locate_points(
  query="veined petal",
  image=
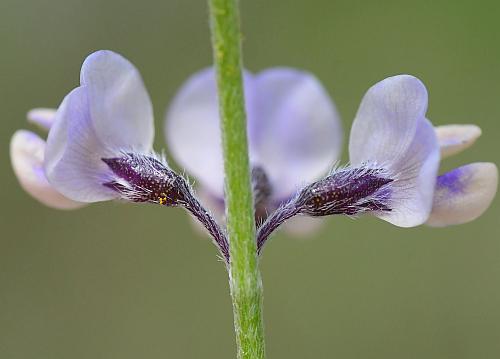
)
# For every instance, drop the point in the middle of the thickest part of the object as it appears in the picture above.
(416, 172)
(119, 106)
(73, 156)
(26, 154)
(295, 132)
(454, 139)
(390, 131)
(387, 120)
(192, 129)
(108, 114)
(464, 194)
(43, 117)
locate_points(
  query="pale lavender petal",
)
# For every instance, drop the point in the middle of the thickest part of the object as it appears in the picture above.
(454, 139)
(119, 105)
(110, 112)
(416, 171)
(74, 152)
(464, 194)
(26, 154)
(387, 120)
(192, 129)
(294, 129)
(43, 117)
(295, 132)
(391, 131)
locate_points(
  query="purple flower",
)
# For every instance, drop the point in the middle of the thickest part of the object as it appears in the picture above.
(391, 133)
(294, 134)
(392, 136)
(394, 159)
(381, 134)
(100, 147)
(109, 114)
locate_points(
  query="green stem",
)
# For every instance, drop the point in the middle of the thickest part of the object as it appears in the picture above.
(244, 276)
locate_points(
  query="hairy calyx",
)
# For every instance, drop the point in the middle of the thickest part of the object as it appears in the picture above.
(140, 178)
(348, 191)
(146, 178)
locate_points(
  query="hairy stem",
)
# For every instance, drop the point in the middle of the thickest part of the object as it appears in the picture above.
(244, 276)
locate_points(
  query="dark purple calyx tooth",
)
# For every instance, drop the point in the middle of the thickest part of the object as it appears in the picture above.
(262, 191)
(141, 178)
(349, 191)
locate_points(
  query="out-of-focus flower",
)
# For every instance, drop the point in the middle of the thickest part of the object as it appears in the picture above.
(294, 134)
(27, 154)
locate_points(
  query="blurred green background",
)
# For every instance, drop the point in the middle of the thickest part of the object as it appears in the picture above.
(125, 281)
